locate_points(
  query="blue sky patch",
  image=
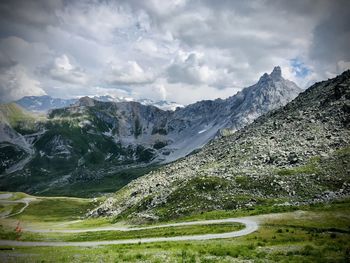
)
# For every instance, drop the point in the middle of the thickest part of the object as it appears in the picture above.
(299, 68)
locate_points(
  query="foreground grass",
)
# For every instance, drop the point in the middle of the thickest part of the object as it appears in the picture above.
(319, 233)
(56, 209)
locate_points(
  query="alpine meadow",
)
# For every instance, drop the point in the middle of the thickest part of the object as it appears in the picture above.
(174, 131)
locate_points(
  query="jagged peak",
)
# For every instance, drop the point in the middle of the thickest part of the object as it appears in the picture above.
(276, 73)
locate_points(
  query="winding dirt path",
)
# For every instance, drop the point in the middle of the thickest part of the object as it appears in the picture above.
(250, 227)
(22, 201)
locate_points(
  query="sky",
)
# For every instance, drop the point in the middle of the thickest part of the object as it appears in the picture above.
(180, 50)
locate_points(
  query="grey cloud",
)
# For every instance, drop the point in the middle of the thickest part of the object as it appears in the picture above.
(6, 61)
(134, 45)
(36, 13)
(16, 83)
(63, 70)
(331, 38)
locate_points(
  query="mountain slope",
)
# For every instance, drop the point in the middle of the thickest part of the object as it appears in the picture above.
(15, 149)
(200, 122)
(299, 153)
(271, 92)
(91, 140)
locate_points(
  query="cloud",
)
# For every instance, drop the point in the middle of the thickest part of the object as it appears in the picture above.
(29, 54)
(63, 70)
(331, 40)
(6, 61)
(16, 83)
(181, 50)
(36, 13)
(343, 65)
(93, 20)
(130, 73)
(192, 69)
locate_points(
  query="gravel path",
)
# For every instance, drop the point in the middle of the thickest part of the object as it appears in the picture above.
(250, 227)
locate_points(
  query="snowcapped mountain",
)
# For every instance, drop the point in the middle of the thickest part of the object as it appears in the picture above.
(46, 103)
(161, 104)
(43, 103)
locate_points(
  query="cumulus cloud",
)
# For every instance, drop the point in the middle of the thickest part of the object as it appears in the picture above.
(128, 74)
(15, 84)
(192, 69)
(182, 50)
(63, 70)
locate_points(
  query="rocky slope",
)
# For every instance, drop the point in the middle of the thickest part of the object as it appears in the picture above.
(91, 138)
(192, 127)
(299, 153)
(15, 149)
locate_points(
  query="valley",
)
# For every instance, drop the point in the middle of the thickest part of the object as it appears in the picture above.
(179, 131)
(107, 144)
(276, 189)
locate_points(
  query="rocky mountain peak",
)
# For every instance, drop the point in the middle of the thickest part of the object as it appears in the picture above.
(267, 158)
(276, 73)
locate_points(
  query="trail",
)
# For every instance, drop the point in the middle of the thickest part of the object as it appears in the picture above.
(22, 201)
(250, 227)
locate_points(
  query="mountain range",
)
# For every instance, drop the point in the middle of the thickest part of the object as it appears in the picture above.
(45, 103)
(297, 154)
(91, 140)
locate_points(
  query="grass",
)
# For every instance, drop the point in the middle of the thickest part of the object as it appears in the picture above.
(274, 242)
(312, 167)
(14, 114)
(109, 183)
(315, 233)
(56, 209)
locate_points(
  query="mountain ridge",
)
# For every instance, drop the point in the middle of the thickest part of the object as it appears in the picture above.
(43, 104)
(91, 138)
(296, 154)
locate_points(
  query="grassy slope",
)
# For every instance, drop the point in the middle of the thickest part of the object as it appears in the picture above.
(319, 233)
(94, 177)
(14, 114)
(107, 184)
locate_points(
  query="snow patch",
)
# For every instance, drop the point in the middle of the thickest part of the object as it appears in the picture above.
(202, 131)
